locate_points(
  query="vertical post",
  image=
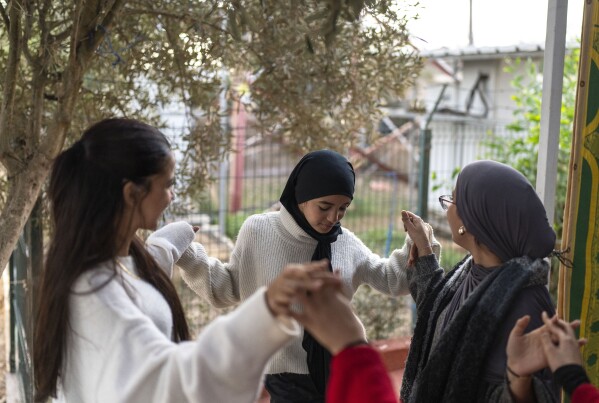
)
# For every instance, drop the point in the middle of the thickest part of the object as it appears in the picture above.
(551, 103)
(12, 340)
(223, 169)
(424, 164)
(394, 196)
(423, 169)
(470, 33)
(239, 123)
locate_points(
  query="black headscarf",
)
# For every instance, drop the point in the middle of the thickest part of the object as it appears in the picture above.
(318, 174)
(502, 210)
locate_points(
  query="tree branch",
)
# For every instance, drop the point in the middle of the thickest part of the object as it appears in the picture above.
(85, 39)
(159, 13)
(10, 82)
(27, 35)
(4, 17)
(163, 13)
(40, 76)
(61, 36)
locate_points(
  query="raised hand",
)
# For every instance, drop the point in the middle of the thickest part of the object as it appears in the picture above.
(420, 232)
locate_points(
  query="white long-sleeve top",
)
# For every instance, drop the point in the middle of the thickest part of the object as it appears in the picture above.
(120, 345)
(265, 245)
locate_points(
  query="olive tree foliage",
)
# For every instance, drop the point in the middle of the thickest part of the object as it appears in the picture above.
(317, 75)
(315, 71)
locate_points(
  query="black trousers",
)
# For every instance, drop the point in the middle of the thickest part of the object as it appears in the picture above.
(292, 388)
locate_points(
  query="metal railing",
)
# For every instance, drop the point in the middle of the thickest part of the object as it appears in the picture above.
(387, 182)
(24, 267)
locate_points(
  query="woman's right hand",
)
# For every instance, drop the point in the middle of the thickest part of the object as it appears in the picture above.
(420, 233)
(560, 345)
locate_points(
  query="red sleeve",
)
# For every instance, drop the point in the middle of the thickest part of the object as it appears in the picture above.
(358, 375)
(585, 393)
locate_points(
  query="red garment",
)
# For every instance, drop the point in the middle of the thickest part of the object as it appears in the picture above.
(585, 393)
(358, 375)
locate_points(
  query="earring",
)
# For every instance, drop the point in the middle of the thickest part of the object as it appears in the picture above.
(462, 230)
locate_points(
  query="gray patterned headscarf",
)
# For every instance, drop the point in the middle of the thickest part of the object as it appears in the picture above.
(499, 206)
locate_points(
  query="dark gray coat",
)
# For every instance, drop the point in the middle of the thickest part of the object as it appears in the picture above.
(451, 370)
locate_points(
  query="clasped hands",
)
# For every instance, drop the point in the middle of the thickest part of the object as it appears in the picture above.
(552, 345)
(421, 234)
(326, 312)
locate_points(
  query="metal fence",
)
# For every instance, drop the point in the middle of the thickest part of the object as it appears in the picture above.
(251, 181)
(387, 177)
(256, 187)
(23, 270)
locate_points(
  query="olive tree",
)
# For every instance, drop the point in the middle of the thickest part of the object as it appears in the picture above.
(315, 71)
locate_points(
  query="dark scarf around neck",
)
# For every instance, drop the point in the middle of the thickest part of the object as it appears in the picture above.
(450, 371)
(318, 174)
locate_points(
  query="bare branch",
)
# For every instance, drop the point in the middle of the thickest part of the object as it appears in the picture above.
(61, 36)
(162, 13)
(40, 76)
(85, 39)
(4, 17)
(110, 17)
(10, 81)
(168, 14)
(27, 35)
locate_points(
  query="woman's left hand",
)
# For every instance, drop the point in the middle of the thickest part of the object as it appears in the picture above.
(525, 354)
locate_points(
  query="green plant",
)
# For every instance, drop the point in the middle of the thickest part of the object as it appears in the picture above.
(234, 222)
(450, 254)
(377, 239)
(379, 313)
(521, 151)
(444, 183)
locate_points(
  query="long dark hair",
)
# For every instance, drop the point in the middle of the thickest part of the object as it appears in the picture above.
(87, 204)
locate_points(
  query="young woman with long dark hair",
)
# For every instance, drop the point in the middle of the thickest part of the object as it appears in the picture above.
(110, 326)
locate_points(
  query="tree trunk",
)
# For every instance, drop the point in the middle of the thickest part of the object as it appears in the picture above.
(28, 167)
(24, 187)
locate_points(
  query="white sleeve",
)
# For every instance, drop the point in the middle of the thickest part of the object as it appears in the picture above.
(387, 275)
(167, 244)
(225, 364)
(214, 280)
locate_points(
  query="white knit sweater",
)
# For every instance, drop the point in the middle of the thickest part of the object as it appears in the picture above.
(265, 245)
(120, 349)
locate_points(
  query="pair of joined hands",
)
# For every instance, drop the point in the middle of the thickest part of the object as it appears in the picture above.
(552, 345)
(326, 312)
(421, 234)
